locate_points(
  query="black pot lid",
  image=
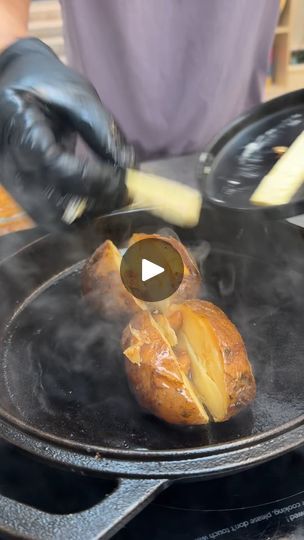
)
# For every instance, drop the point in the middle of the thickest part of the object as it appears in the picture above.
(236, 161)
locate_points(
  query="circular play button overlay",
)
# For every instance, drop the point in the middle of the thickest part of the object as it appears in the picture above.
(152, 270)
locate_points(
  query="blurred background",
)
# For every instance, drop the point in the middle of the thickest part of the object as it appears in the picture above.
(285, 72)
(286, 62)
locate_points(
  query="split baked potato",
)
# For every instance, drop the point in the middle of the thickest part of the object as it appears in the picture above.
(102, 285)
(188, 366)
(105, 292)
(191, 283)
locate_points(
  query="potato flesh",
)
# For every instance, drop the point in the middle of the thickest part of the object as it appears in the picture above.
(206, 388)
(203, 390)
(191, 389)
(206, 381)
(162, 323)
(208, 373)
(192, 366)
(167, 330)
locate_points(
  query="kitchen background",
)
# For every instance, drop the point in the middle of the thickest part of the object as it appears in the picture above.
(260, 504)
(286, 63)
(286, 71)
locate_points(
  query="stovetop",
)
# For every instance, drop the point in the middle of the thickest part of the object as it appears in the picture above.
(266, 502)
(263, 503)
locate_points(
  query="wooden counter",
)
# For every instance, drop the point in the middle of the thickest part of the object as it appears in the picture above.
(12, 217)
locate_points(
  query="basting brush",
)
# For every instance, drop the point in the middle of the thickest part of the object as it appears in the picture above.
(174, 202)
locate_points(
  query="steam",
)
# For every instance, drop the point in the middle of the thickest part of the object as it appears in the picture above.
(62, 366)
(199, 251)
(168, 231)
(227, 281)
(58, 355)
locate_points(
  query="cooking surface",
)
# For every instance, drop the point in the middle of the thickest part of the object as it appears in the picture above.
(61, 366)
(264, 503)
(192, 511)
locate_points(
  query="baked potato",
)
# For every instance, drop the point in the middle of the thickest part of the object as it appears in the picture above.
(188, 366)
(102, 285)
(105, 292)
(191, 283)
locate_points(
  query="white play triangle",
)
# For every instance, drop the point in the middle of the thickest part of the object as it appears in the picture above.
(150, 269)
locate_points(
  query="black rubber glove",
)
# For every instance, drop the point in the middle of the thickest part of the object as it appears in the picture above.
(43, 106)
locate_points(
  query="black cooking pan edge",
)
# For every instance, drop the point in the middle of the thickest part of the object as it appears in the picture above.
(138, 481)
(131, 494)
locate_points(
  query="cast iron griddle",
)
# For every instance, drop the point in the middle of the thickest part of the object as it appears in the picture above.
(62, 368)
(63, 394)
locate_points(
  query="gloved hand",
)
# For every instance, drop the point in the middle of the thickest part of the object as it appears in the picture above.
(43, 106)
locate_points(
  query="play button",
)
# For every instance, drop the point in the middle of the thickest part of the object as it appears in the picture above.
(152, 270)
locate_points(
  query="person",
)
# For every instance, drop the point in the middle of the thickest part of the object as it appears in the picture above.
(171, 73)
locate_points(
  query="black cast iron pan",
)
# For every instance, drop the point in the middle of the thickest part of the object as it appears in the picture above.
(63, 394)
(235, 162)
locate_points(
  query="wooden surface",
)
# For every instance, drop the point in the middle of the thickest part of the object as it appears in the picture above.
(12, 217)
(287, 77)
(46, 24)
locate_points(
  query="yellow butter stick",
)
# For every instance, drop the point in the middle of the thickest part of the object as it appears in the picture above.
(284, 180)
(174, 202)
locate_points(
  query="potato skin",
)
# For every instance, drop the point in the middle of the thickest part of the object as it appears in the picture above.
(105, 292)
(239, 378)
(156, 380)
(102, 285)
(158, 375)
(190, 286)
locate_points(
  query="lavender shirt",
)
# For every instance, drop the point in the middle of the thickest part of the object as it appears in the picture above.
(173, 72)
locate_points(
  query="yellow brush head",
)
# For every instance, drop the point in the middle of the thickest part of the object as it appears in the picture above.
(284, 180)
(174, 202)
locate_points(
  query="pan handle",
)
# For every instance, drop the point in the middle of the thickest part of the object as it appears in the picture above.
(101, 521)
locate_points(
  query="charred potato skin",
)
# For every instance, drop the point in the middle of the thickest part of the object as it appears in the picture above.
(239, 378)
(156, 381)
(191, 283)
(103, 288)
